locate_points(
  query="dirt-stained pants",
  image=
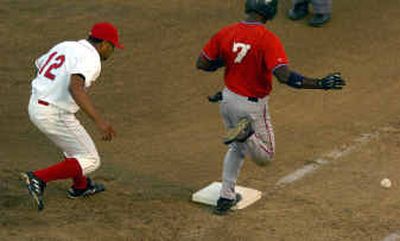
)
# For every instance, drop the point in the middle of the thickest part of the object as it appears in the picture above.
(260, 147)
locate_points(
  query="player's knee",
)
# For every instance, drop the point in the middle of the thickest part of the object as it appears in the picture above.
(263, 159)
(90, 164)
(96, 163)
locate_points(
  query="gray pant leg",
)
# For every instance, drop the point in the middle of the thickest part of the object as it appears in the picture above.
(299, 7)
(322, 6)
(234, 157)
(261, 146)
(294, 2)
(233, 162)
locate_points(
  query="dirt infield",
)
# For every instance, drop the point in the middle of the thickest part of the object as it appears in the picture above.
(169, 137)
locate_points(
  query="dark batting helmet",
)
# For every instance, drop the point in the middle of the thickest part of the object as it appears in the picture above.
(266, 8)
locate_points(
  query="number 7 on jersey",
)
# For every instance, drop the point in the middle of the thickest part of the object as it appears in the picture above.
(244, 48)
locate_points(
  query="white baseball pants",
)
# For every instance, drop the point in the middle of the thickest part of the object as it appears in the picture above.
(66, 132)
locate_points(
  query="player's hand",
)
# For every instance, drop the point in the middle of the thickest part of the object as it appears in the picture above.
(331, 81)
(107, 131)
(217, 97)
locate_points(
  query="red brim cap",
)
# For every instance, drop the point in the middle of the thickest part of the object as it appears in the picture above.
(106, 31)
(118, 45)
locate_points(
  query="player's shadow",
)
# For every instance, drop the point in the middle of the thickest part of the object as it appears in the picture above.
(141, 187)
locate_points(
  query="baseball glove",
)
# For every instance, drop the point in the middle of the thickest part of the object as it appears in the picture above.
(331, 81)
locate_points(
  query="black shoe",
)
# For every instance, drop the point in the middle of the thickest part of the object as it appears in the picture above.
(35, 187)
(91, 189)
(224, 204)
(319, 19)
(240, 133)
(299, 11)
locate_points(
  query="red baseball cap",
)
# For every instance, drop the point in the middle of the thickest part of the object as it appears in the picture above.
(106, 31)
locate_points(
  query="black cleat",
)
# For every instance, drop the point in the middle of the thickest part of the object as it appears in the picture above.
(240, 133)
(91, 189)
(224, 205)
(35, 187)
(319, 19)
(299, 11)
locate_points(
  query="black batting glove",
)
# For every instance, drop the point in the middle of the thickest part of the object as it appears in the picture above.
(217, 97)
(331, 82)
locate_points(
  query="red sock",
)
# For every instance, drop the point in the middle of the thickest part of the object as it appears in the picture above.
(80, 182)
(69, 168)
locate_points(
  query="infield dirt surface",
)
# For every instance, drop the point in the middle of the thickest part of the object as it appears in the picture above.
(169, 137)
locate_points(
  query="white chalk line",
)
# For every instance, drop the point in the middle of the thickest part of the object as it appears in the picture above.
(332, 156)
(328, 158)
(392, 237)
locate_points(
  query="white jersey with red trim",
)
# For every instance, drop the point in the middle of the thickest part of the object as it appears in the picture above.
(54, 70)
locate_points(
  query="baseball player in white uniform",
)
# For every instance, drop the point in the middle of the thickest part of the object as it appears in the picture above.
(59, 90)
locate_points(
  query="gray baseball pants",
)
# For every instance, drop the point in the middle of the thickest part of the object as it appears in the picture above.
(259, 147)
(320, 6)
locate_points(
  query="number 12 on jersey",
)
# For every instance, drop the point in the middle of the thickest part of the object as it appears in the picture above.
(57, 63)
(241, 49)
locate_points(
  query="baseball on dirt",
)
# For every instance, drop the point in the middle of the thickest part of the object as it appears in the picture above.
(386, 183)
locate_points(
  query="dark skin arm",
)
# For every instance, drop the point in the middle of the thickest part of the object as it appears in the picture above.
(283, 72)
(77, 90)
(210, 66)
(35, 72)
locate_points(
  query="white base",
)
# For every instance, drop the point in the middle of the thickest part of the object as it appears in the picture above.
(210, 194)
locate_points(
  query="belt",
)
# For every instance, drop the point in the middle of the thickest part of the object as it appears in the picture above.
(252, 99)
(217, 97)
(42, 102)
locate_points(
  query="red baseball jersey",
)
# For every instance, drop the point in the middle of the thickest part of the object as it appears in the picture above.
(250, 52)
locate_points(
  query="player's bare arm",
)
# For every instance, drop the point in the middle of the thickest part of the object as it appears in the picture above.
(208, 65)
(295, 80)
(77, 90)
(35, 71)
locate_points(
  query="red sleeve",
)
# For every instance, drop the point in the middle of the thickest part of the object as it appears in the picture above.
(211, 50)
(274, 54)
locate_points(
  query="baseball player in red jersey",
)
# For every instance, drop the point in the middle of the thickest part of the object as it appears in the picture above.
(59, 90)
(251, 54)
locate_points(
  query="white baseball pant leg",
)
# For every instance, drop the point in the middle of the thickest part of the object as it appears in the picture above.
(66, 132)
